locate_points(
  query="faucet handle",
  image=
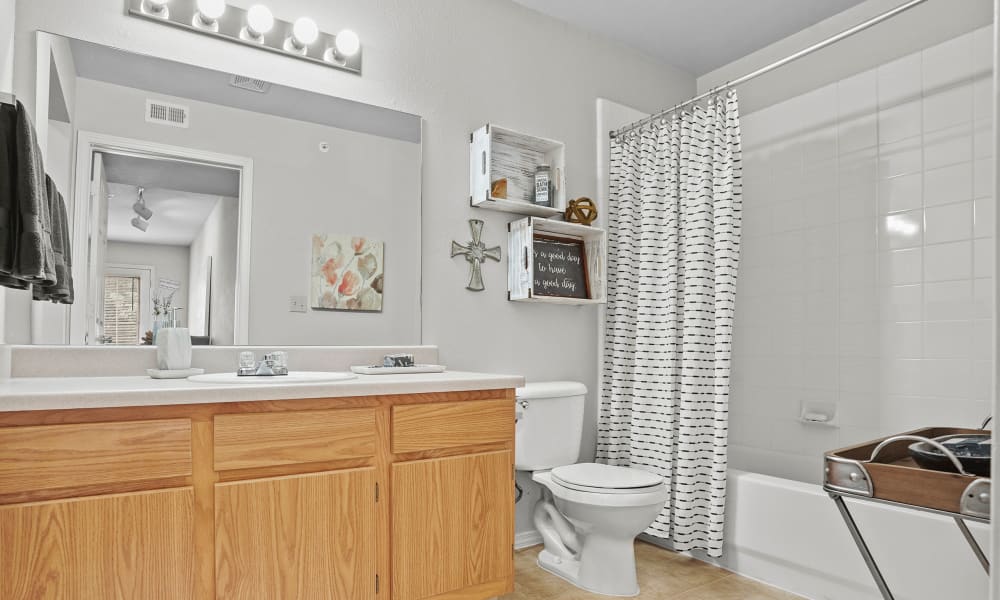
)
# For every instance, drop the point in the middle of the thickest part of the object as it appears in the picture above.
(248, 363)
(280, 358)
(247, 359)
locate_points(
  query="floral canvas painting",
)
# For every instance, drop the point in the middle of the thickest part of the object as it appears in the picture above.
(347, 273)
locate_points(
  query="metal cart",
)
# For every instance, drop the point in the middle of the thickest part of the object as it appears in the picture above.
(882, 471)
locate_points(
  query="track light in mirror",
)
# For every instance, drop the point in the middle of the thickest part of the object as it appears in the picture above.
(256, 27)
(140, 207)
(260, 21)
(140, 224)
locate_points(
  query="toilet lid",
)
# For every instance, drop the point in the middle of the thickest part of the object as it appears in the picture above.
(605, 477)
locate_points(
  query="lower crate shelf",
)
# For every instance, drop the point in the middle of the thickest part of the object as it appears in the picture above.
(521, 262)
(518, 207)
(556, 300)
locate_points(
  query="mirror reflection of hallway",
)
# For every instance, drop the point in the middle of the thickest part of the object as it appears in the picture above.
(164, 235)
(170, 237)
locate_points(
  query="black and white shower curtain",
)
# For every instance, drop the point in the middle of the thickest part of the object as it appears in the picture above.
(673, 252)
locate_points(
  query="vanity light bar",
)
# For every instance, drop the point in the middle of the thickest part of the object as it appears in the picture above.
(301, 39)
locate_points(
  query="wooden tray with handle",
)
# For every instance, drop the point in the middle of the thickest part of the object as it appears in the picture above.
(883, 470)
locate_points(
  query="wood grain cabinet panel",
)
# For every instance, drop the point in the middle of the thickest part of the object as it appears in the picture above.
(453, 526)
(246, 441)
(304, 537)
(50, 457)
(121, 547)
(419, 427)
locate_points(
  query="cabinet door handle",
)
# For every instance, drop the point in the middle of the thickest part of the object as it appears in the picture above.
(484, 162)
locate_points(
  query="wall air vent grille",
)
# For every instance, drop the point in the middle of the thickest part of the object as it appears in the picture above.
(165, 113)
(249, 83)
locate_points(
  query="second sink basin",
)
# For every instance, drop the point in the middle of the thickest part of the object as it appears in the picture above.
(292, 377)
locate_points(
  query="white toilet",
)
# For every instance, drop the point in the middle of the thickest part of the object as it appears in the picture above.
(589, 514)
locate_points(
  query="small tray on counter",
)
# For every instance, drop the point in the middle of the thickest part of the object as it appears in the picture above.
(884, 469)
(174, 373)
(380, 370)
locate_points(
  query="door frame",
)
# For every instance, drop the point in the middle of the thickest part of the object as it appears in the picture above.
(89, 142)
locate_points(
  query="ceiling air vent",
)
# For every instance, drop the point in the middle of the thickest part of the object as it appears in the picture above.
(165, 113)
(249, 83)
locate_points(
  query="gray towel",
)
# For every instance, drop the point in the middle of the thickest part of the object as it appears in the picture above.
(61, 291)
(9, 227)
(34, 260)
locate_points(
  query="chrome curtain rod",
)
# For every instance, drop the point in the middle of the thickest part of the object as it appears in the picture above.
(767, 69)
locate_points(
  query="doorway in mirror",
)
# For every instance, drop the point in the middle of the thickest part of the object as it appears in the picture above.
(158, 228)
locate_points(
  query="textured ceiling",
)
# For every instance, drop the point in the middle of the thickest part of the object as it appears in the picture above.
(695, 35)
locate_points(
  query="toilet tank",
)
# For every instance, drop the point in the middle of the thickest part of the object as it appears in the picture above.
(549, 425)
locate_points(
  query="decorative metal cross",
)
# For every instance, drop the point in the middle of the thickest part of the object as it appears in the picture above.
(475, 252)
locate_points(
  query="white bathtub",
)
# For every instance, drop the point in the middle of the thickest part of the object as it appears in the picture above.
(789, 534)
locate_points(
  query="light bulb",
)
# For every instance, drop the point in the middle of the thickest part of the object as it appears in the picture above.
(305, 31)
(259, 20)
(347, 43)
(156, 7)
(210, 10)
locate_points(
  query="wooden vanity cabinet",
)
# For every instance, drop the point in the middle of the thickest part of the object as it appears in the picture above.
(96, 510)
(452, 500)
(406, 497)
(302, 536)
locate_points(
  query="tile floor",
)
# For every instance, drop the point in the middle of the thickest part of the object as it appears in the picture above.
(663, 575)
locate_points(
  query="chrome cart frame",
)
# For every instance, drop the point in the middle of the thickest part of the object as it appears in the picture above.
(851, 478)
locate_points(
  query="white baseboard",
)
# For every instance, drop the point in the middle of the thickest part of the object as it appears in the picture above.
(526, 539)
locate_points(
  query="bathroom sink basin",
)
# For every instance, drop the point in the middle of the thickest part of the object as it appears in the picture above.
(292, 377)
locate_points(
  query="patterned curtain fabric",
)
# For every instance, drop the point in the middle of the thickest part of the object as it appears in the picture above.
(674, 241)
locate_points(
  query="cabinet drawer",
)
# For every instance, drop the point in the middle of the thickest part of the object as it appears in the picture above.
(49, 457)
(418, 427)
(248, 441)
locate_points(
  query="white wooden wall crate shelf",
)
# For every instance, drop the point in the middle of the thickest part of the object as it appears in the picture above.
(522, 264)
(497, 153)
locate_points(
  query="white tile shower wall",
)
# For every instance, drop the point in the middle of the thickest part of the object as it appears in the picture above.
(867, 259)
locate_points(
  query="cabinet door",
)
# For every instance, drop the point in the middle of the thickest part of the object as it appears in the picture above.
(452, 525)
(124, 547)
(297, 538)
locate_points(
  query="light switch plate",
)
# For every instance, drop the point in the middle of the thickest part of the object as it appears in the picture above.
(297, 304)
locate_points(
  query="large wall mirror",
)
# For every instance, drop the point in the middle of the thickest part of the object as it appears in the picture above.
(267, 215)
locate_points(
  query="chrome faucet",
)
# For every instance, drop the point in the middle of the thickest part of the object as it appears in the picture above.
(273, 363)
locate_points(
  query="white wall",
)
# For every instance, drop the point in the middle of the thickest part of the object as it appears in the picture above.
(7, 45)
(867, 259)
(169, 262)
(459, 65)
(216, 240)
(365, 185)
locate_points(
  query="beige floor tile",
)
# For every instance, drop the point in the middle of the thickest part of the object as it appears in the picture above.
(735, 587)
(663, 575)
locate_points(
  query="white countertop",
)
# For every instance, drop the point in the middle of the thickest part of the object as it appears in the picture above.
(58, 393)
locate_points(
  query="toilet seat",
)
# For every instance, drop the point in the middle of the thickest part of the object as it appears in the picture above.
(605, 479)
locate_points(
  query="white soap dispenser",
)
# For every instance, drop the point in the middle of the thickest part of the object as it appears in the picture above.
(173, 345)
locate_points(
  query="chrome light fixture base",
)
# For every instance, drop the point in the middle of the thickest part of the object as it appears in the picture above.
(231, 27)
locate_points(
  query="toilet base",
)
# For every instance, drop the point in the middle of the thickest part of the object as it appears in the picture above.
(569, 569)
